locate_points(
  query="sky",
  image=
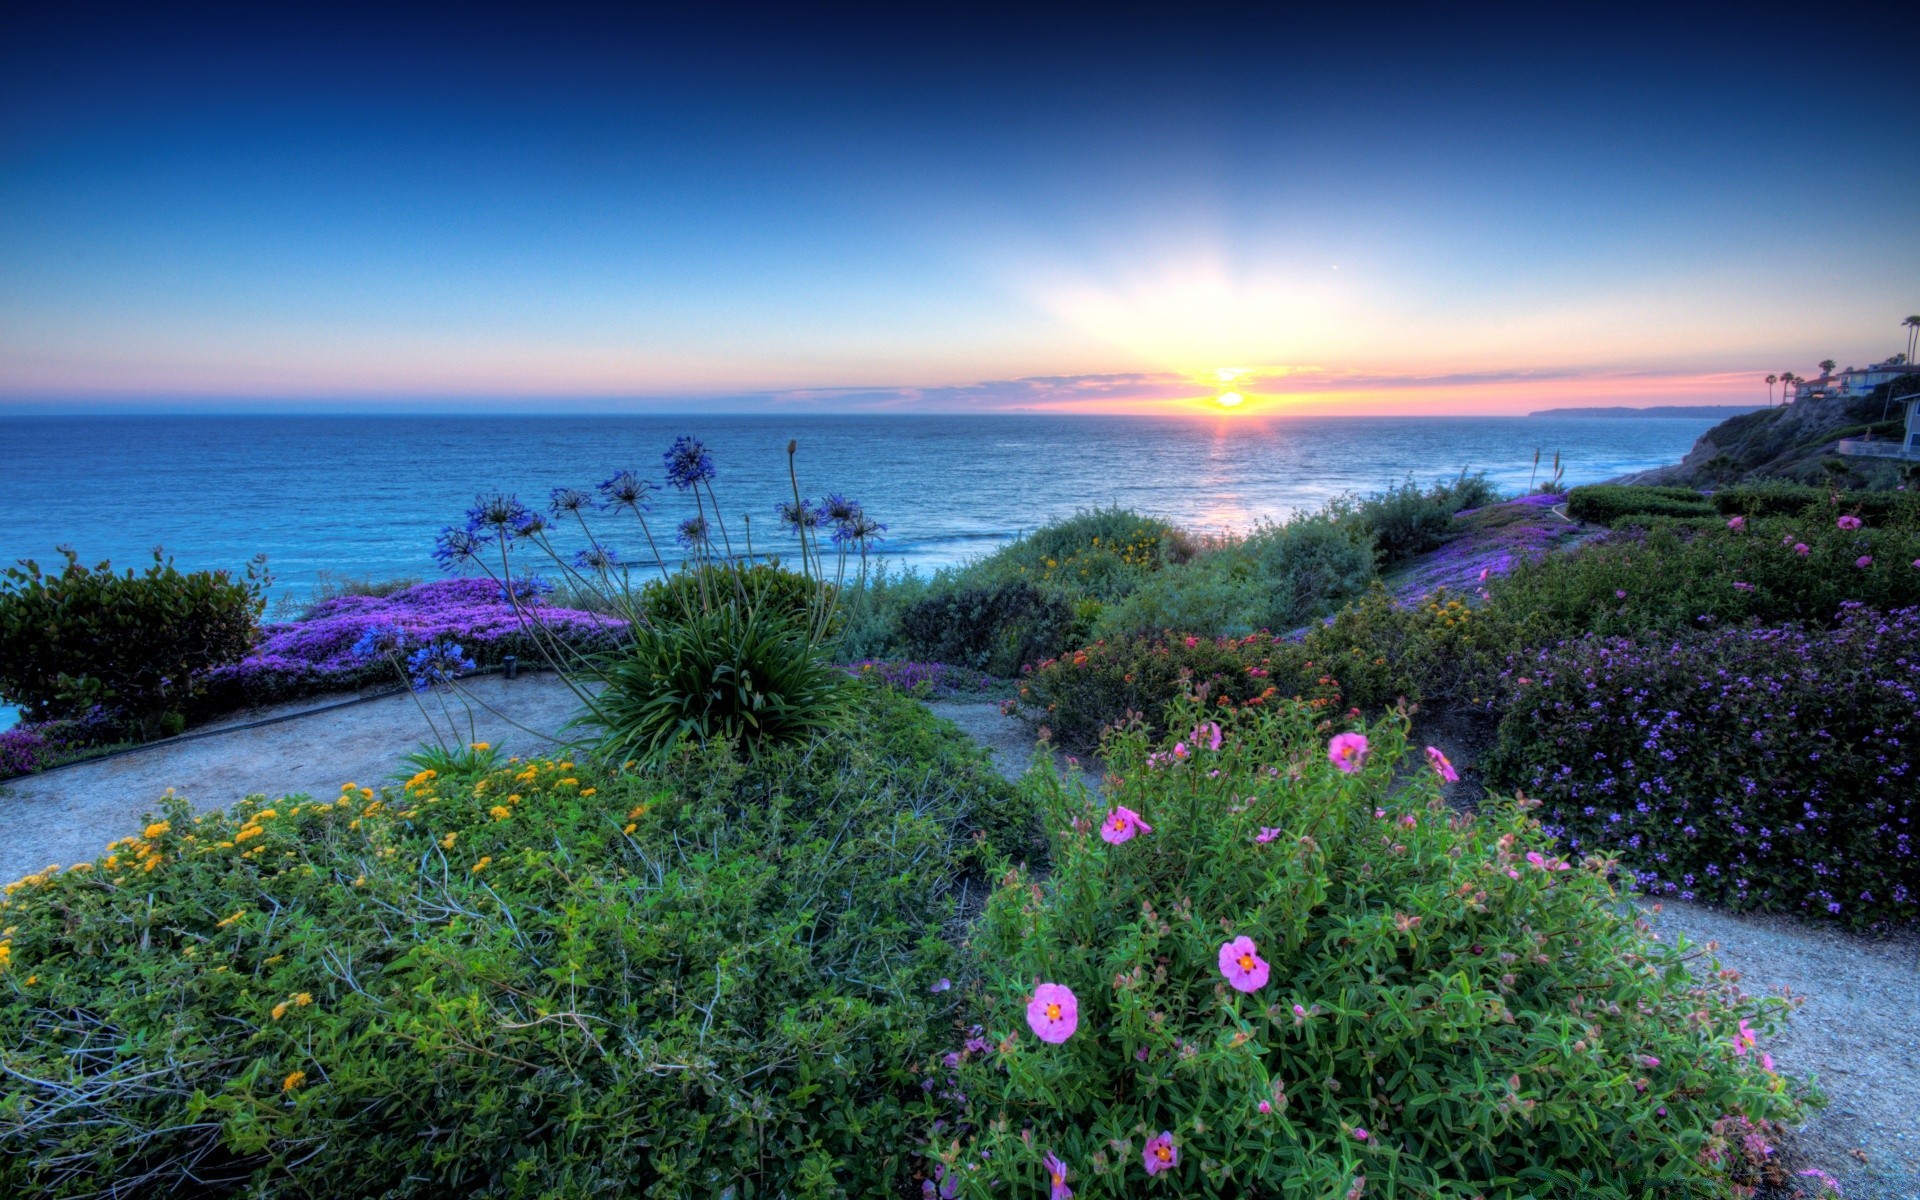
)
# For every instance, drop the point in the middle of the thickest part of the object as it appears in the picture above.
(272, 208)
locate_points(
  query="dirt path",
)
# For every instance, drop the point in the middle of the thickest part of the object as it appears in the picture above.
(68, 815)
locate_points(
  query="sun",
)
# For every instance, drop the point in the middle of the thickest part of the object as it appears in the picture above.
(1229, 399)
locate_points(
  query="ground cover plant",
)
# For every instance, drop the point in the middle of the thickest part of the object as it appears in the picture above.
(1259, 967)
(1760, 767)
(718, 977)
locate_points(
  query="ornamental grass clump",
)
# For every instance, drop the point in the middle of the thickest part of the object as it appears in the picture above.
(1773, 767)
(550, 980)
(1293, 976)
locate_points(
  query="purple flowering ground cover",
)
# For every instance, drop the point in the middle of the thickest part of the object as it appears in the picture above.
(1762, 767)
(317, 653)
(1487, 542)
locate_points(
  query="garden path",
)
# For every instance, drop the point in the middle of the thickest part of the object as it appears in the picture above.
(69, 814)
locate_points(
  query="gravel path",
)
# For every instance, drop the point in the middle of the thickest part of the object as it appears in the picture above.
(68, 815)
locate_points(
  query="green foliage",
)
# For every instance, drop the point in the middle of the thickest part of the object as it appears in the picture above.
(1101, 553)
(1612, 503)
(1449, 1012)
(764, 585)
(745, 673)
(456, 763)
(1436, 649)
(134, 643)
(711, 980)
(1276, 578)
(1407, 520)
(997, 628)
(1781, 499)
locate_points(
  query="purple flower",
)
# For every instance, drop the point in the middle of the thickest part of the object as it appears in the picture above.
(624, 489)
(688, 463)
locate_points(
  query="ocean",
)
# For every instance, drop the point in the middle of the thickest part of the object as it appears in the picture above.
(363, 496)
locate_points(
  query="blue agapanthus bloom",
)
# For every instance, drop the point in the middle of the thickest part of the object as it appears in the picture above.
(527, 589)
(596, 558)
(688, 463)
(837, 509)
(441, 662)
(498, 514)
(455, 548)
(693, 532)
(858, 528)
(532, 525)
(380, 641)
(568, 500)
(797, 515)
(624, 489)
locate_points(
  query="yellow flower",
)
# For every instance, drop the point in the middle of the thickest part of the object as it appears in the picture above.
(6, 954)
(480, 866)
(293, 1081)
(446, 843)
(499, 812)
(226, 921)
(589, 791)
(276, 958)
(366, 793)
(280, 1010)
(639, 810)
(157, 829)
(480, 746)
(302, 999)
(360, 881)
(513, 798)
(630, 827)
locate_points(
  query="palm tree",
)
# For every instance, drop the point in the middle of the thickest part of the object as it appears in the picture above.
(1826, 367)
(1771, 380)
(1912, 326)
(1787, 380)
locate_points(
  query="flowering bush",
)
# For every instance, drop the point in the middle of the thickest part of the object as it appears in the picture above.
(937, 680)
(1608, 503)
(1767, 768)
(545, 981)
(1407, 520)
(1079, 695)
(1101, 553)
(997, 628)
(1293, 978)
(21, 750)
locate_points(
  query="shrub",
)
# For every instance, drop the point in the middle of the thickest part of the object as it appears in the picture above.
(22, 750)
(1079, 695)
(1276, 578)
(1608, 503)
(136, 643)
(1099, 553)
(784, 592)
(1435, 648)
(1766, 768)
(749, 675)
(1780, 499)
(1289, 980)
(545, 983)
(997, 628)
(1407, 520)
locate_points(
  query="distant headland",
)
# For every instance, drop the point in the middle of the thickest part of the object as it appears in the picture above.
(1705, 412)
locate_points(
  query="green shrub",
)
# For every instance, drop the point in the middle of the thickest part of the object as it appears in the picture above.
(1609, 503)
(1438, 1006)
(765, 585)
(1100, 553)
(1407, 520)
(1777, 499)
(1079, 696)
(997, 628)
(134, 643)
(1757, 767)
(713, 980)
(1438, 648)
(749, 674)
(1276, 578)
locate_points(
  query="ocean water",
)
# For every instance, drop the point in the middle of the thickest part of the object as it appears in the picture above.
(364, 496)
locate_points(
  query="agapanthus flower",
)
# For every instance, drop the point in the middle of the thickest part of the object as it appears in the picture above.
(596, 558)
(1848, 521)
(1057, 1178)
(533, 524)
(1348, 751)
(693, 532)
(688, 463)
(498, 514)
(1160, 1153)
(380, 641)
(836, 508)
(568, 500)
(1439, 762)
(441, 662)
(1053, 1013)
(1121, 824)
(624, 489)
(797, 515)
(455, 548)
(1241, 963)
(858, 528)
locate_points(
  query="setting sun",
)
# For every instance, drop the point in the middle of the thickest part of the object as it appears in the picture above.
(1229, 399)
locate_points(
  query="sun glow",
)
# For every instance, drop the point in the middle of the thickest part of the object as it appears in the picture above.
(1229, 399)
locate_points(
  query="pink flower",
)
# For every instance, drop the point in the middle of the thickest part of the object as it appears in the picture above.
(1916, 564)
(1264, 1108)
(1742, 587)
(1121, 824)
(1864, 561)
(1192, 642)
(1057, 1176)
(1848, 522)
(1360, 1135)
(1744, 1039)
(941, 985)
(1267, 833)
(1766, 1061)
(1160, 1153)
(1180, 750)
(1053, 1013)
(1440, 763)
(1534, 859)
(1737, 524)
(1208, 732)
(1649, 1061)
(1348, 751)
(1801, 548)
(1241, 963)
(1619, 594)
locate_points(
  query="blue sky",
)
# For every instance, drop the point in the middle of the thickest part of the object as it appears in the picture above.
(394, 207)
